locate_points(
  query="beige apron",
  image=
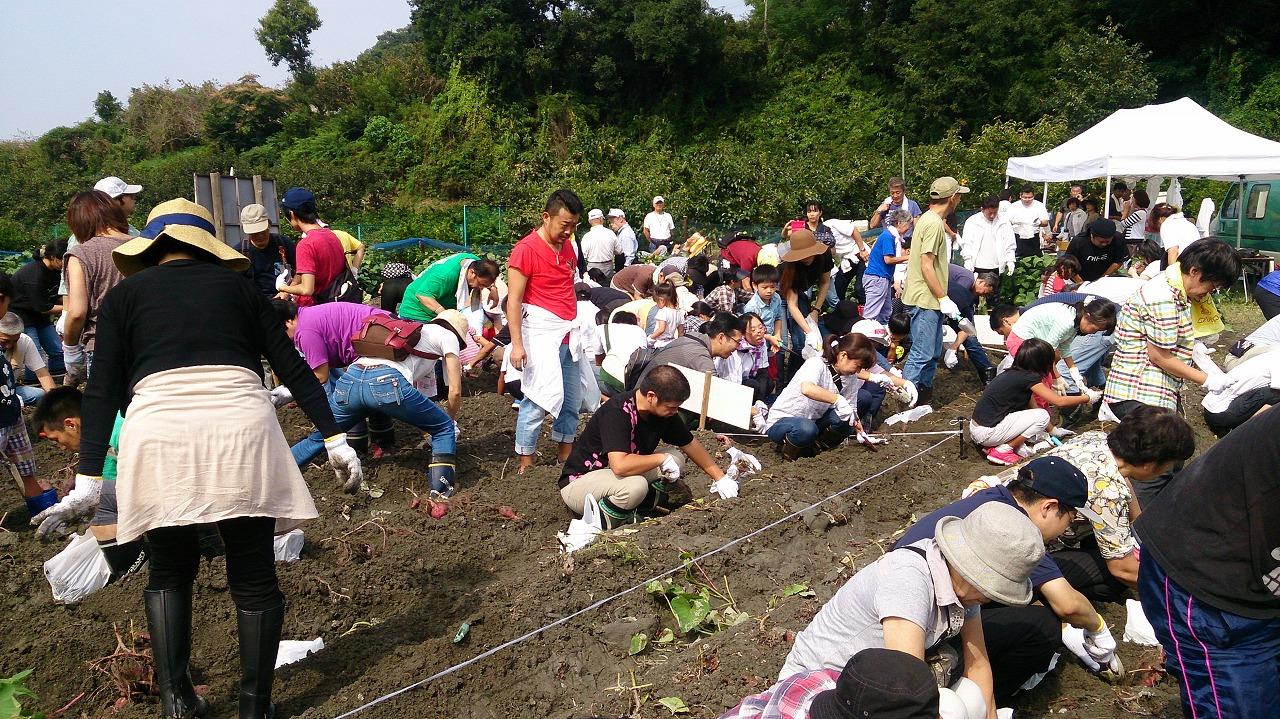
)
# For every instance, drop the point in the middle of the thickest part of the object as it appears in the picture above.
(202, 444)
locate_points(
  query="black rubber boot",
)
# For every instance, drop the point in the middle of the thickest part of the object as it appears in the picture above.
(791, 452)
(169, 621)
(259, 640)
(358, 437)
(441, 474)
(612, 517)
(657, 497)
(986, 375)
(831, 438)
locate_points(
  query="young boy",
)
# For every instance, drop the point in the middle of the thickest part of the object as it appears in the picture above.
(766, 304)
(57, 417)
(1002, 320)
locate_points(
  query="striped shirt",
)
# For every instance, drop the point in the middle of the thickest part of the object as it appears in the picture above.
(1159, 314)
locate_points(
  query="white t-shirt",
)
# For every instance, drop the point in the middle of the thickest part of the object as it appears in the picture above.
(1267, 334)
(1253, 373)
(659, 225)
(26, 355)
(435, 340)
(600, 244)
(674, 318)
(1177, 231)
(1024, 218)
(793, 403)
(1116, 289)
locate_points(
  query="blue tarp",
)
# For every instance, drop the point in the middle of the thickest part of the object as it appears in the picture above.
(429, 243)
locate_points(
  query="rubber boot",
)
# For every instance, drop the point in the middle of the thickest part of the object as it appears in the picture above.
(831, 438)
(259, 640)
(358, 437)
(791, 451)
(986, 375)
(441, 474)
(382, 435)
(42, 501)
(612, 517)
(169, 621)
(656, 498)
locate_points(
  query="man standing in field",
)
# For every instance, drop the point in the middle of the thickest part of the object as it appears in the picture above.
(658, 225)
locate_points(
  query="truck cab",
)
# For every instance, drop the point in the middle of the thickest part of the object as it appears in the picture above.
(1260, 228)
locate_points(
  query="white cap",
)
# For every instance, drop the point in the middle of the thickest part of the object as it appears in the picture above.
(659, 198)
(595, 214)
(116, 187)
(615, 212)
(872, 330)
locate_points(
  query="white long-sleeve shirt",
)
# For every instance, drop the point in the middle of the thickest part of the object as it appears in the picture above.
(987, 244)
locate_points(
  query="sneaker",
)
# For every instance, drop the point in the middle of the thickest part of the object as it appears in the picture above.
(1002, 455)
(1038, 447)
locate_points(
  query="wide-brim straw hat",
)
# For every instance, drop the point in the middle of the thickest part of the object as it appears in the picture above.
(182, 221)
(803, 245)
(994, 549)
(455, 322)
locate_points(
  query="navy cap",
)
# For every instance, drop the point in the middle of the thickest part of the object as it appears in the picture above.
(1057, 478)
(296, 197)
(1102, 227)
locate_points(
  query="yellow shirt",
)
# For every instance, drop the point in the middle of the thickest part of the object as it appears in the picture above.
(350, 246)
(929, 236)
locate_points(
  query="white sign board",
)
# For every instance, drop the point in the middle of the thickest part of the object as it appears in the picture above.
(729, 402)
(986, 335)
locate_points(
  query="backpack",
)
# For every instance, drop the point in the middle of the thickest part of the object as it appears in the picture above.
(636, 366)
(390, 338)
(344, 288)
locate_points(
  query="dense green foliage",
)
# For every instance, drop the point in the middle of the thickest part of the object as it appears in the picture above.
(497, 102)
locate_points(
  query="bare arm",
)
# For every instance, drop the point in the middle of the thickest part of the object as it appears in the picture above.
(430, 303)
(453, 377)
(625, 464)
(77, 302)
(1125, 568)
(516, 283)
(659, 327)
(696, 452)
(304, 285)
(931, 277)
(903, 635)
(1047, 394)
(793, 309)
(824, 284)
(45, 379)
(321, 372)
(977, 666)
(1070, 606)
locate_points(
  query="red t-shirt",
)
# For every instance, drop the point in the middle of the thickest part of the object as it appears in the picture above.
(741, 254)
(319, 253)
(550, 275)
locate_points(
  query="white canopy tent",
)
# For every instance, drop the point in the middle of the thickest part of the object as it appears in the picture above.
(1174, 139)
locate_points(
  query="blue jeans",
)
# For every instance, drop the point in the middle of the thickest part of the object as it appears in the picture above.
(926, 345)
(1088, 352)
(804, 432)
(1227, 666)
(362, 391)
(977, 354)
(47, 339)
(529, 421)
(29, 394)
(870, 397)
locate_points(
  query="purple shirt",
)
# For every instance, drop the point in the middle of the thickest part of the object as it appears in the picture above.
(323, 333)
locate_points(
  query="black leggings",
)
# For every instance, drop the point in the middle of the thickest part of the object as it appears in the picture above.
(251, 561)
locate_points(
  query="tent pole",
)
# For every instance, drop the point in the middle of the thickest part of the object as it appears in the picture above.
(1106, 198)
(1240, 212)
(904, 158)
(1045, 197)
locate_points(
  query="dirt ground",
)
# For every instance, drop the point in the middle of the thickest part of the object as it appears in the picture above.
(387, 587)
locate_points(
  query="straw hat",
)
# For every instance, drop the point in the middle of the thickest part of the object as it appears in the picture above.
(803, 244)
(994, 549)
(455, 322)
(182, 221)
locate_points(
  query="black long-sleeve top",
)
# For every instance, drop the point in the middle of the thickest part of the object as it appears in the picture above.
(35, 293)
(185, 313)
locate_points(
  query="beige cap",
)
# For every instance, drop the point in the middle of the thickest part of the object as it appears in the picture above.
(253, 219)
(945, 187)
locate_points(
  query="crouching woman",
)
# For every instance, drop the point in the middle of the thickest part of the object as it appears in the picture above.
(615, 460)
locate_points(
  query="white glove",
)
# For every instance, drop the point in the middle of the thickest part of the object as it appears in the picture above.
(345, 462)
(1100, 645)
(1218, 382)
(967, 327)
(948, 307)
(950, 358)
(669, 468)
(79, 502)
(282, 280)
(1077, 378)
(844, 410)
(457, 432)
(280, 396)
(1073, 639)
(743, 464)
(812, 341)
(1094, 395)
(74, 360)
(726, 487)
(864, 438)
(1007, 268)
(881, 378)
(1061, 432)
(1060, 385)
(907, 394)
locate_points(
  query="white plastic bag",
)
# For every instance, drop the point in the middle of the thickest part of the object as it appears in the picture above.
(77, 571)
(289, 546)
(293, 651)
(1136, 627)
(910, 415)
(582, 531)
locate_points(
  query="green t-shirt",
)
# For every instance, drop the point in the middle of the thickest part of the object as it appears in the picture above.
(929, 236)
(439, 282)
(109, 464)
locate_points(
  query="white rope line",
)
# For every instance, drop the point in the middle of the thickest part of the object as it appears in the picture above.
(597, 604)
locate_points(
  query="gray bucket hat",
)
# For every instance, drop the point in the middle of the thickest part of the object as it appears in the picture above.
(994, 549)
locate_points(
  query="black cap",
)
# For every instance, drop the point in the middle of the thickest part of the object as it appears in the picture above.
(1102, 227)
(880, 684)
(1057, 478)
(734, 235)
(840, 320)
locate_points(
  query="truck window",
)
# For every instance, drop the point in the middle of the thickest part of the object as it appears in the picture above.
(1258, 201)
(1231, 205)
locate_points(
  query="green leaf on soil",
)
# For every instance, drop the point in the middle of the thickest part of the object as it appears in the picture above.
(463, 631)
(657, 586)
(675, 705)
(12, 689)
(733, 617)
(800, 589)
(691, 610)
(666, 637)
(638, 644)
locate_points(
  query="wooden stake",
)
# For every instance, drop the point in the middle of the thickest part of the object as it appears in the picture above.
(215, 196)
(706, 401)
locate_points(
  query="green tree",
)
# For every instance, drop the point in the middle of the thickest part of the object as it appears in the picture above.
(244, 115)
(285, 34)
(1102, 58)
(1260, 114)
(107, 107)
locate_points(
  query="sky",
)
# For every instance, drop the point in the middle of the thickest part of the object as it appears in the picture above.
(57, 55)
